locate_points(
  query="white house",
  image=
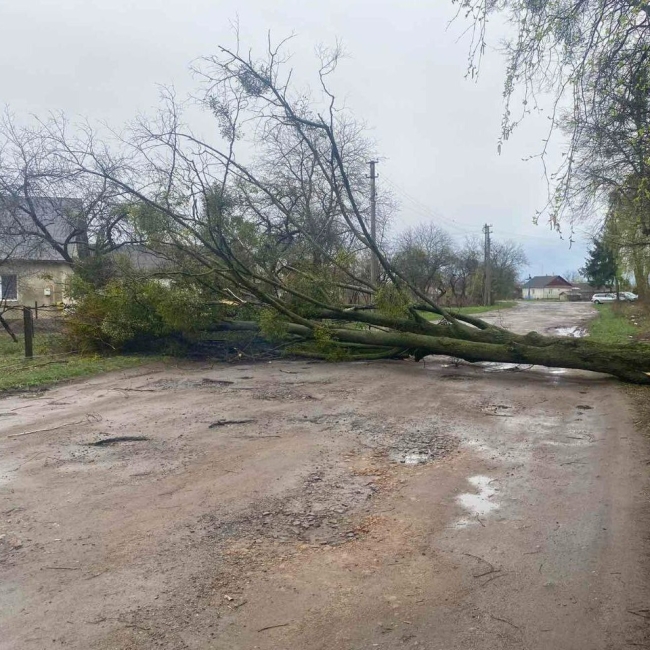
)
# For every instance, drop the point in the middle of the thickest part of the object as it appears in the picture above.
(32, 267)
(545, 287)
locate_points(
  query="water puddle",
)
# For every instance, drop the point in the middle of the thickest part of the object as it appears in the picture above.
(570, 441)
(493, 366)
(478, 504)
(570, 332)
(575, 332)
(411, 457)
(7, 470)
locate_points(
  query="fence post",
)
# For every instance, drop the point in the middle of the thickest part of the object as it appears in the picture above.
(28, 322)
(35, 309)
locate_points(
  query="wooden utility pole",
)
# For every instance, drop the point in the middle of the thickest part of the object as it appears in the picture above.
(374, 262)
(487, 287)
(28, 326)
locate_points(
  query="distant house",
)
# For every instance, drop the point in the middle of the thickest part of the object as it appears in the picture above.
(545, 287)
(33, 268)
(573, 294)
(587, 291)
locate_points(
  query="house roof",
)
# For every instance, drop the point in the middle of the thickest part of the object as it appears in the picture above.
(21, 238)
(142, 258)
(544, 281)
(585, 286)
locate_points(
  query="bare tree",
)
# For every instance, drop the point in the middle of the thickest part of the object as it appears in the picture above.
(47, 204)
(274, 215)
(507, 259)
(422, 254)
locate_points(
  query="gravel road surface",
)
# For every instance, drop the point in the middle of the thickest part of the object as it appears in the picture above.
(304, 506)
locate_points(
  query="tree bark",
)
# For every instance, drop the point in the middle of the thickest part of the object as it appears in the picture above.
(629, 362)
(8, 329)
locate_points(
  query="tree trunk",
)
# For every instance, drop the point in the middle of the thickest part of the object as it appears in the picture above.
(629, 362)
(8, 329)
(641, 280)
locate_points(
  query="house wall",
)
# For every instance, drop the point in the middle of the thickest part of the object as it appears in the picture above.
(547, 293)
(34, 278)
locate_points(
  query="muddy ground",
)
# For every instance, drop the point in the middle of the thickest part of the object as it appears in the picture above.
(301, 506)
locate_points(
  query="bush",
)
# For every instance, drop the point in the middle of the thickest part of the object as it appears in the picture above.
(130, 314)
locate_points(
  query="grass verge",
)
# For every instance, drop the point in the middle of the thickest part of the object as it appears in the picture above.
(622, 323)
(479, 309)
(52, 364)
(474, 309)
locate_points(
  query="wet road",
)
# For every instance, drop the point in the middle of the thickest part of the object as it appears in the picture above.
(542, 317)
(300, 529)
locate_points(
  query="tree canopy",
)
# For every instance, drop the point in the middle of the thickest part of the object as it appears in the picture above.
(269, 224)
(600, 268)
(591, 57)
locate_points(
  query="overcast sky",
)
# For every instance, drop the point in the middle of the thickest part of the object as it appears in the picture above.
(436, 131)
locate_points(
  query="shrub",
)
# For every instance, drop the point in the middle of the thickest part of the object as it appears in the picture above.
(131, 313)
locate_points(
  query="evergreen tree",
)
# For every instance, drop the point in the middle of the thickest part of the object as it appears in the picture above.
(600, 268)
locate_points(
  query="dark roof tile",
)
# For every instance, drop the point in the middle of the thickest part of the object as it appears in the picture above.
(20, 237)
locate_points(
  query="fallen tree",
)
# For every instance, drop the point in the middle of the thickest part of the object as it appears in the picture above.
(623, 361)
(280, 232)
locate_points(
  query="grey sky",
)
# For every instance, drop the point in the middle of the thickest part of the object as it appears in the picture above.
(436, 131)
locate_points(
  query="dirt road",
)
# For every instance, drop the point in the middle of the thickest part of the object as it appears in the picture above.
(304, 506)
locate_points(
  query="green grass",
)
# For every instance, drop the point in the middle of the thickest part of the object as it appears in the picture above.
(620, 323)
(52, 364)
(479, 309)
(474, 309)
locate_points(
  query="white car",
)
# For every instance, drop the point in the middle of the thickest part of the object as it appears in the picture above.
(600, 298)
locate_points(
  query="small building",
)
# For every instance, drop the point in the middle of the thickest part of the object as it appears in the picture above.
(573, 295)
(32, 270)
(545, 287)
(587, 291)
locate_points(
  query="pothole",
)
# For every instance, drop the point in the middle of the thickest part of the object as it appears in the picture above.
(182, 384)
(225, 423)
(116, 441)
(326, 509)
(410, 457)
(282, 393)
(407, 443)
(497, 409)
(457, 377)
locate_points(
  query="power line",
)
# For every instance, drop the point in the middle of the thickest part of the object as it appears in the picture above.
(431, 213)
(425, 211)
(526, 236)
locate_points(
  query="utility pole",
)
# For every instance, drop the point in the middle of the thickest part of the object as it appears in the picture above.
(374, 262)
(487, 293)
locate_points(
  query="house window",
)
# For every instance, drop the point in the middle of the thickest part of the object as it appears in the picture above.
(8, 287)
